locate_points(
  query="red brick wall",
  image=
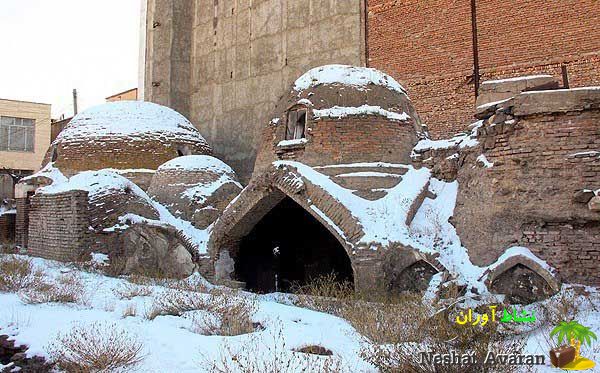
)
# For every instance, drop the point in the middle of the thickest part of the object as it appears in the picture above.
(427, 46)
(364, 138)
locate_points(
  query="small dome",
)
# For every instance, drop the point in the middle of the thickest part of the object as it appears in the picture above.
(342, 114)
(124, 135)
(196, 188)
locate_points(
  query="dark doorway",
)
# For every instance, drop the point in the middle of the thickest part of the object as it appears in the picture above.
(289, 248)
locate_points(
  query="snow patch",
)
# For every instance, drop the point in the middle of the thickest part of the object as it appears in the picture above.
(292, 142)
(344, 111)
(484, 161)
(359, 77)
(516, 79)
(130, 119)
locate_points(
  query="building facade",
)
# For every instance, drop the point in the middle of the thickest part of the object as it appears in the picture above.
(24, 139)
(128, 95)
(224, 64)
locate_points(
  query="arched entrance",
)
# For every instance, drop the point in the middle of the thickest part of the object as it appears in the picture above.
(289, 247)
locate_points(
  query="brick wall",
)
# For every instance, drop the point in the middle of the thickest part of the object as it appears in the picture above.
(59, 226)
(22, 222)
(365, 138)
(427, 46)
(527, 198)
(119, 153)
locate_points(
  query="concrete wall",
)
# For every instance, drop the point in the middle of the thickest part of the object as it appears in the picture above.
(30, 161)
(244, 55)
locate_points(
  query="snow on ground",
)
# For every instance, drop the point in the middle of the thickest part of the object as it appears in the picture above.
(343, 111)
(169, 343)
(359, 77)
(130, 119)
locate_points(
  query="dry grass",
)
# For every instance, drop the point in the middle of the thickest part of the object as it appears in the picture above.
(257, 356)
(395, 327)
(129, 311)
(96, 348)
(17, 274)
(225, 311)
(129, 291)
(67, 288)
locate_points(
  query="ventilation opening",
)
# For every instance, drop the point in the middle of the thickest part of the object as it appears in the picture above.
(54, 154)
(296, 125)
(290, 248)
(183, 151)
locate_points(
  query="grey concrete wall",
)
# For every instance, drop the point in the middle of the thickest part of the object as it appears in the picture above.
(244, 55)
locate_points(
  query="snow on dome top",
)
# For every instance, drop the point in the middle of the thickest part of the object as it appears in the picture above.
(349, 75)
(197, 163)
(96, 183)
(130, 119)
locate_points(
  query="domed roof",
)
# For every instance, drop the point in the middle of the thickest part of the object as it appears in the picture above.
(341, 114)
(355, 76)
(198, 163)
(130, 120)
(196, 188)
(125, 135)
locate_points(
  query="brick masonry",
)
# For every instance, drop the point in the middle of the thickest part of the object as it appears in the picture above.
(542, 159)
(431, 52)
(59, 226)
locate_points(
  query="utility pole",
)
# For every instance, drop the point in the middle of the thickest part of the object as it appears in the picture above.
(475, 46)
(74, 102)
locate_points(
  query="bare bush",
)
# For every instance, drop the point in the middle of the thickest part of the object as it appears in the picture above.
(67, 288)
(273, 357)
(129, 311)
(96, 348)
(17, 274)
(129, 291)
(226, 312)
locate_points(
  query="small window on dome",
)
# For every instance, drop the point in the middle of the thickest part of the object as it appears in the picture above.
(296, 125)
(54, 154)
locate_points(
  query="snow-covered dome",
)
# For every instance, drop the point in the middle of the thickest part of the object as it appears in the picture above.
(342, 114)
(195, 187)
(125, 135)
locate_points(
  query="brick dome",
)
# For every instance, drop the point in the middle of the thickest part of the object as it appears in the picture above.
(124, 135)
(196, 188)
(342, 114)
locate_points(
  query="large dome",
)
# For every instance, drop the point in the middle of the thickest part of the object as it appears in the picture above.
(124, 135)
(342, 114)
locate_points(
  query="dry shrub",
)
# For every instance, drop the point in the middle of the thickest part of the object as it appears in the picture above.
(273, 357)
(226, 312)
(67, 288)
(17, 274)
(129, 291)
(96, 348)
(129, 311)
(325, 294)
(195, 284)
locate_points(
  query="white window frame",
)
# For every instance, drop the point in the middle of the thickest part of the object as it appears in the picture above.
(17, 122)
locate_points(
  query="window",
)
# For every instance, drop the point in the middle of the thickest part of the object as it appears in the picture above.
(16, 134)
(296, 125)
